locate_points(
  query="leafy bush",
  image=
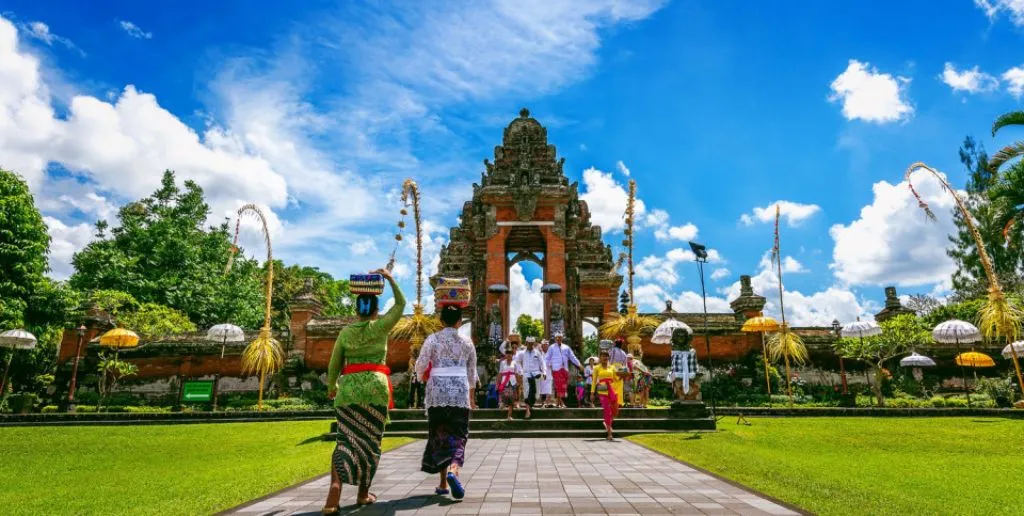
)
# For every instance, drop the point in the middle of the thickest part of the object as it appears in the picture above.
(22, 403)
(1001, 390)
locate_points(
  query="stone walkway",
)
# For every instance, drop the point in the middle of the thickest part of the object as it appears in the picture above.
(522, 476)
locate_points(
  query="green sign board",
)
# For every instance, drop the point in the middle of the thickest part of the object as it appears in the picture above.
(198, 391)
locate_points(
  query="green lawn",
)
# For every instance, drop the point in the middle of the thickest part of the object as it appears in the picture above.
(866, 465)
(159, 469)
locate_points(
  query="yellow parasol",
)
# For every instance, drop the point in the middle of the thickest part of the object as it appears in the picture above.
(974, 359)
(119, 338)
(763, 324)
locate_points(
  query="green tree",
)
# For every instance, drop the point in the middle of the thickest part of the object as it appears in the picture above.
(900, 335)
(527, 326)
(290, 280)
(969, 280)
(28, 299)
(162, 252)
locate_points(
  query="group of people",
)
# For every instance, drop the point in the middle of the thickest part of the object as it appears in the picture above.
(359, 383)
(530, 377)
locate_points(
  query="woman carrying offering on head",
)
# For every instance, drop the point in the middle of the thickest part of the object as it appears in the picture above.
(447, 364)
(606, 388)
(362, 394)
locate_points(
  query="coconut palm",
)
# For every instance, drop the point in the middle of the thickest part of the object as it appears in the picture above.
(631, 324)
(1013, 150)
(784, 344)
(998, 319)
(263, 356)
(1008, 191)
(417, 326)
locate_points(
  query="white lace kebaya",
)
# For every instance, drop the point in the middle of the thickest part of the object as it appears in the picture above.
(452, 360)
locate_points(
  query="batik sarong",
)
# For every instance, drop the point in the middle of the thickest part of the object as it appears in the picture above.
(507, 391)
(561, 378)
(360, 430)
(448, 431)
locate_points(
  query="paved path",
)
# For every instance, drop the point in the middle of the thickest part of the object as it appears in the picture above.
(521, 476)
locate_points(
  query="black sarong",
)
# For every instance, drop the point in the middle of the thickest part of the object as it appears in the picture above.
(360, 430)
(446, 441)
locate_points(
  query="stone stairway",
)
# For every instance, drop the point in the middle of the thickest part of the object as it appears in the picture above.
(571, 422)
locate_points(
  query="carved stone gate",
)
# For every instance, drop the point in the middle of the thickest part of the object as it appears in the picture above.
(525, 209)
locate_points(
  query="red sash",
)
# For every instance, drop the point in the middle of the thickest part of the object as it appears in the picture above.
(373, 368)
(611, 391)
(504, 380)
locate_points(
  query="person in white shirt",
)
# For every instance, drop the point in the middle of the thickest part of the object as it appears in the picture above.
(509, 373)
(558, 358)
(545, 386)
(531, 363)
(588, 378)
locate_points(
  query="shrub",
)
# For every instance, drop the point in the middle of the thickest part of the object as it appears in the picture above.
(22, 403)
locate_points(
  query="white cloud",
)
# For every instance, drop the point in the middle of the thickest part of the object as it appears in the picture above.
(970, 81)
(866, 94)
(363, 247)
(1013, 8)
(524, 296)
(720, 273)
(607, 199)
(66, 241)
(892, 242)
(622, 168)
(134, 30)
(663, 231)
(41, 31)
(793, 213)
(663, 269)
(1014, 78)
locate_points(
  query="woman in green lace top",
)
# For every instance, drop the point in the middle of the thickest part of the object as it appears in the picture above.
(362, 395)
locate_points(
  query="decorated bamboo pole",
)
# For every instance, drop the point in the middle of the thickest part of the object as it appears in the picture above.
(418, 326)
(263, 355)
(785, 343)
(998, 318)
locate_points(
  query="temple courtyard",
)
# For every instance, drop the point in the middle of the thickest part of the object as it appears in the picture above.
(775, 465)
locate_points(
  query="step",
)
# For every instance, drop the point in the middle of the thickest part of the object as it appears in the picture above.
(598, 433)
(687, 411)
(557, 424)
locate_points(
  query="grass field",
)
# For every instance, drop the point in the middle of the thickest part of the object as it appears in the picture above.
(159, 469)
(866, 465)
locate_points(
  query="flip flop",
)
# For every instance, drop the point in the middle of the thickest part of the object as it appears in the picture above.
(371, 498)
(457, 490)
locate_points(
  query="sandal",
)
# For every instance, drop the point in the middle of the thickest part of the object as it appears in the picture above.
(330, 511)
(458, 492)
(440, 492)
(370, 499)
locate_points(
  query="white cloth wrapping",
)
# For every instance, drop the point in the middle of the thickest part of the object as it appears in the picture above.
(452, 361)
(683, 368)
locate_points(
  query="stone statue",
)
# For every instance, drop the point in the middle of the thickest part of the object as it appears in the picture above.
(495, 333)
(683, 375)
(557, 319)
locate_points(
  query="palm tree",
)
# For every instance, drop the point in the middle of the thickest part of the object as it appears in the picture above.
(999, 318)
(417, 326)
(263, 356)
(631, 323)
(1008, 192)
(784, 344)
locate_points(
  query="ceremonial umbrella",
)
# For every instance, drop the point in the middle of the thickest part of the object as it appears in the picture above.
(1018, 347)
(14, 339)
(223, 333)
(861, 329)
(955, 331)
(762, 324)
(663, 333)
(917, 361)
(975, 360)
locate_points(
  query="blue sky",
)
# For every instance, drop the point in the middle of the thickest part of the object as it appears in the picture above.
(719, 110)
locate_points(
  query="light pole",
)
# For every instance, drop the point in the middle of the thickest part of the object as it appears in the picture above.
(700, 254)
(74, 369)
(837, 328)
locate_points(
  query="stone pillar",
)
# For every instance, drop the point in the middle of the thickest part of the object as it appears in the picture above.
(497, 272)
(304, 307)
(893, 307)
(748, 304)
(554, 271)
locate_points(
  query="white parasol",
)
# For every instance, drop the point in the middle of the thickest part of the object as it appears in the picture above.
(956, 331)
(861, 329)
(17, 339)
(916, 360)
(663, 333)
(1017, 346)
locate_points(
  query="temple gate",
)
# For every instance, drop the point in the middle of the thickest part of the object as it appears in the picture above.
(525, 209)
